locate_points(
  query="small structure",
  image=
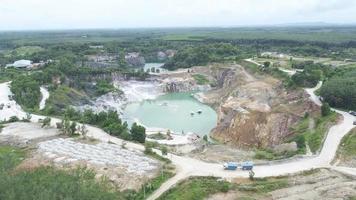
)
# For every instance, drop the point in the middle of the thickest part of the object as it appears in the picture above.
(21, 64)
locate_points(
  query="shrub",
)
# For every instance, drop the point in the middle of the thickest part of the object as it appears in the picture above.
(138, 133)
(325, 109)
(13, 119)
(164, 150)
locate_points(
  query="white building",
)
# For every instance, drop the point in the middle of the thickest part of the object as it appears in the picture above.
(21, 64)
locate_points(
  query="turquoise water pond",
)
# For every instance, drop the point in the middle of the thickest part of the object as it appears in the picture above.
(177, 112)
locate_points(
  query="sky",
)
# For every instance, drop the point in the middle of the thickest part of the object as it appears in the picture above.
(78, 14)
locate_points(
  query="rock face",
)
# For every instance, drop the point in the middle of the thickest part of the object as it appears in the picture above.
(182, 85)
(286, 147)
(134, 59)
(254, 111)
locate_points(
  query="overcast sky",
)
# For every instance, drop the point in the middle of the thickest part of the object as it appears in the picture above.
(75, 14)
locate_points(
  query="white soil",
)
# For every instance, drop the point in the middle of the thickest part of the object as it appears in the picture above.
(68, 151)
(45, 96)
(27, 131)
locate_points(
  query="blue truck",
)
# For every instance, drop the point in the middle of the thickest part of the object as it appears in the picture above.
(247, 165)
(233, 166)
(230, 166)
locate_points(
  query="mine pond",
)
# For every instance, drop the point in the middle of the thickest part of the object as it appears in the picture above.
(181, 113)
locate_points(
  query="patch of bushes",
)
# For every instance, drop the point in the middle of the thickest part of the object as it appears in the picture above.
(315, 138)
(152, 185)
(48, 183)
(26, 92)
(197, 188)
(264, 185)
(201, 55)
(103, 87)
(61, 97)
(340, 90)
(269, 154)
(348, 144)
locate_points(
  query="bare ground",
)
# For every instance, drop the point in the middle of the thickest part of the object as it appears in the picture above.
(321, 184)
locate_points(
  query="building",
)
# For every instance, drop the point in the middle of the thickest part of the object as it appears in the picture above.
(21, 64)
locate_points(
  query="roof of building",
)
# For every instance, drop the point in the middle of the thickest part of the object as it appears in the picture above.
(22, 63)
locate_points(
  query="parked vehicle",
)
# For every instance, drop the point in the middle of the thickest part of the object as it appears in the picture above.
(352, 113)
(2, 106)
(230, 166)
(354, 123)
(247, 165)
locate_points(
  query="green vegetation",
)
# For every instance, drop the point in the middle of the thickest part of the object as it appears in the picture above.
(103, 87)
(313, 137)
(202, 187)
(158, 136)
(196, 188)
(325, 109)
(26, 50)
(149, 151)
(202, 55)
(109, 121)
(312, 74)
(138, 133)
(269, 154)
(46, 122)
(264, 185)
(200, 79)
(340, 90)
(26, 92)
(61, 97)
(48, 183)
(152, 185)
(348, 145)
(9, 157)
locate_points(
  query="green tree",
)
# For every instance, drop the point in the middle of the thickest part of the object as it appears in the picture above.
(72, 128)
(266, 64)
(26, 91)
(325, 109)
(138, 133)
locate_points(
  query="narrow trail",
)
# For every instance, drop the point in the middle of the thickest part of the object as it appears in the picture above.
(187, 167)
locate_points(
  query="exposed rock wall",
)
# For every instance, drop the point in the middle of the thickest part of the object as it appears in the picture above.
(254, 111)
(182, 85)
